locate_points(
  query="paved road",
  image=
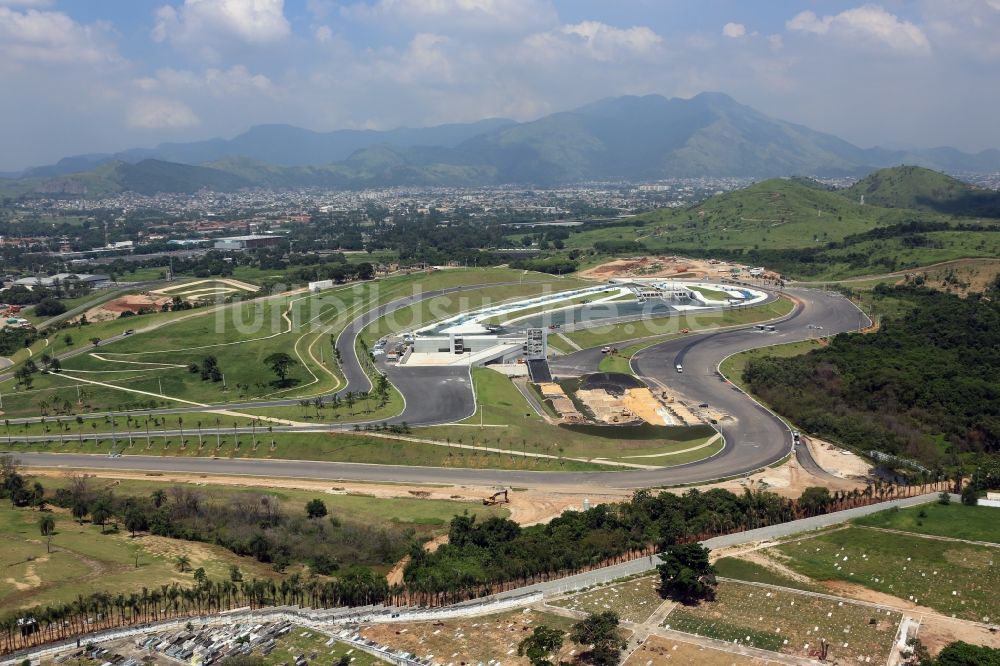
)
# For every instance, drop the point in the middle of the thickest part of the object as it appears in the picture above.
(755, 437)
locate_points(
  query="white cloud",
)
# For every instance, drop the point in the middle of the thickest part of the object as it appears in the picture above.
(205, 21)
(734, 30)
(323, 34)
(594, 40)
(445, 16)
(36, 36)
(151, 113)
(869, 23)
(221, 83)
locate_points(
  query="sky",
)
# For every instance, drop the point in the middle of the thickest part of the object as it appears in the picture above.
(85, 76)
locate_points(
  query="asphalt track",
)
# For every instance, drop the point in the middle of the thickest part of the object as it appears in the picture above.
(755, 438)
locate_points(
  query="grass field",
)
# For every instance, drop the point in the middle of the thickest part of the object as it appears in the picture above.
(633, 600)
(975, 523)
(133, 372)
(83, 559)
(354, 447)
(509, 422)
(733, 567)
(790, 623)
(429, 516)
(313, 646)
(952, 578)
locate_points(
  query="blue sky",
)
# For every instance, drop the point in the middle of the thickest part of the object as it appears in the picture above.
(102, 75)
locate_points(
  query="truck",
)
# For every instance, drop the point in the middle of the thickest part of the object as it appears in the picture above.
(680, 368)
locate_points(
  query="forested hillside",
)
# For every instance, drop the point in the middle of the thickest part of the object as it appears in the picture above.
(924, 386)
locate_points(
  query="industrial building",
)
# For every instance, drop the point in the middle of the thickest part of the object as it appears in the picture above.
(241, 243)
(93, 281)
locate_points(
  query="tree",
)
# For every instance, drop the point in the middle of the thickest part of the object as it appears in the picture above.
(542, 642)
(969, 496)
(80, 509)
(159, 496)
(964, 654)
(47, 525)
(316, 508)
(183, 563)
(135, 520)
(200, 577)
(944, 499)
(815, 500)
(601, 633)
(280, 363)
(686, 574)
(101, 512)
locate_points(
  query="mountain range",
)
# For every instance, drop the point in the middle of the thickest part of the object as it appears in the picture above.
(616, 139)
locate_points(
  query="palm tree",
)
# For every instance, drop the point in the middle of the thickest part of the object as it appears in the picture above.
(47, 525)
(183, 563)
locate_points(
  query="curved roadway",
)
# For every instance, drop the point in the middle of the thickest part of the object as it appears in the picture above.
(754, 436)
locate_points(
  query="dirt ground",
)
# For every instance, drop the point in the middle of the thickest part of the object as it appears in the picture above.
(658, 266)
(128, 303)
(658, 651)
(466, 640)
(837, 461)
(527, 506)
(936, 631)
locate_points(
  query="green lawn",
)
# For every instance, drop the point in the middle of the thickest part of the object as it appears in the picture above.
(975, 523)
(313, 646)
(355, 447)
(733, 567)
(84, 560)
(952, 578)
(511, 423)
(634, 600)
(790, 622)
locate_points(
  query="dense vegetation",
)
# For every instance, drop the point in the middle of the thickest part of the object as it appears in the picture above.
(926, 385)
(479, 557)
(250, 524)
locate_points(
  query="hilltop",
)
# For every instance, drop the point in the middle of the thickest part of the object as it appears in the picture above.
(773, 214)
(923, 189)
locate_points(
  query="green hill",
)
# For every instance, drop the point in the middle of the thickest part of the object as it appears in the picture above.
(773, 214)
(923, 189)
(798, 228)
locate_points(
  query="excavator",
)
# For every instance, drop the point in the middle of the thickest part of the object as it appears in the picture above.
(499, 497)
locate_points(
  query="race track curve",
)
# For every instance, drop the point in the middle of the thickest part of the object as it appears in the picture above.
(755, 438)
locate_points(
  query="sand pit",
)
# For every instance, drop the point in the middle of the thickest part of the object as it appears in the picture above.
(658, 266)
(642, 403)
(605, 406)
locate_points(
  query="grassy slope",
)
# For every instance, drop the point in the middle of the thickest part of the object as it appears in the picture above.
(921, 189)
(976, 523)
(925, 571)
(510, 422)
(84, 560)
